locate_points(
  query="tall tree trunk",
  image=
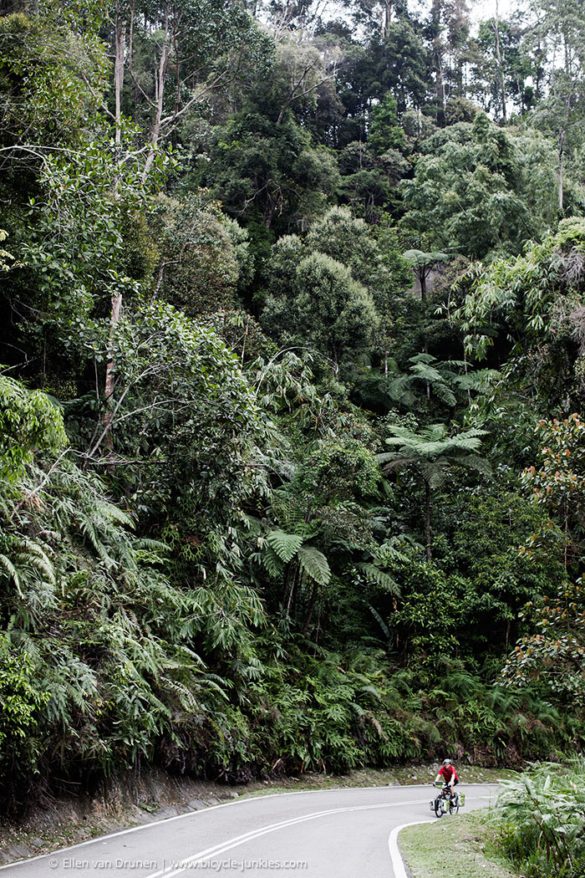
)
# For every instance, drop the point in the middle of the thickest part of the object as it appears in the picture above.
(440, 85)
(437, 17)
(116, 306)
(387, 17)
(119, 63)
(422, 279)
(131, 15)
(502, 82)
(290, 582)
(538, 74)
(566, 119)
(562, 172)
(159, 94)
(428, 522)
(423, 297)
(109, 383)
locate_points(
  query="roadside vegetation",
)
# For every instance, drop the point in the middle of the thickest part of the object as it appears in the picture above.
(535, 830)
(292, 334)
(540, 821)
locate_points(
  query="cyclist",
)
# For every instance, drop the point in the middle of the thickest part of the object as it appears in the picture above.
(448, 774)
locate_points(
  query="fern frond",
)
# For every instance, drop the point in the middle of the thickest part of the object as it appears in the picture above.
(272, 562)
(285, 545)
(12, 572)
(445, 394)
(314, 564)
(379, 577)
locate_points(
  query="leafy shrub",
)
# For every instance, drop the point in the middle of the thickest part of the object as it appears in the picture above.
(21, 706)
(541, 819)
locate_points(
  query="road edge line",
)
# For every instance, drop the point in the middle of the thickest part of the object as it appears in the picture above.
(236, 841)
(245, 799)
(396, 858)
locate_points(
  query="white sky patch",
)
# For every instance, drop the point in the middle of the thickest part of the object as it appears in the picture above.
(479, 10)
(483, 9)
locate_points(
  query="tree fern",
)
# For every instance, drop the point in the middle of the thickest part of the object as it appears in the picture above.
(314, 564)
(271, 562)
(379, 577)
(285, 545)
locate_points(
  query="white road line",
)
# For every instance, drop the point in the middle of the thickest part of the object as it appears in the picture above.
(395, 856)
(231, 843)
(249, 799)
(398, 866)
(103, 839)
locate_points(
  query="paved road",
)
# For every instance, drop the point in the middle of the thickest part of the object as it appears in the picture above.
(326, 834)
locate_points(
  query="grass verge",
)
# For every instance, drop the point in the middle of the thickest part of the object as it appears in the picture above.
(455, 847)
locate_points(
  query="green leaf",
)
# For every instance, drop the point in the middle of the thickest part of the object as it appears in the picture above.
(314, 564)
(285, 545)
(12, 572)
(379, 577)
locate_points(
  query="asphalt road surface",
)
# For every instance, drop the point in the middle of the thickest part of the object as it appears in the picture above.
(344, 833)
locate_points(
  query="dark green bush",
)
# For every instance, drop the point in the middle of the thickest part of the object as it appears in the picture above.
(541, 820)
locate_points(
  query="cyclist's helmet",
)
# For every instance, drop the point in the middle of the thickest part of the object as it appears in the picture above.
(447, 762)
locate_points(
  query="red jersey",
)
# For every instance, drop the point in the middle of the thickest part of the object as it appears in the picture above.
(448, 772)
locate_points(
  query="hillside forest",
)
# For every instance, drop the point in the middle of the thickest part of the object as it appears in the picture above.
(292, 329)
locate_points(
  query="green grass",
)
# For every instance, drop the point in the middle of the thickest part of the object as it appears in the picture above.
(454, 847)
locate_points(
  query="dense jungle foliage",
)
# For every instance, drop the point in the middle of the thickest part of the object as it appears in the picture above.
(292, 328)
(540, 821)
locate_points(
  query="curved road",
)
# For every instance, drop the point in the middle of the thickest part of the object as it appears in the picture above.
(343, 833)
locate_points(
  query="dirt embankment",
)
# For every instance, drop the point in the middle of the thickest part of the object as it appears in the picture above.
(130, 801)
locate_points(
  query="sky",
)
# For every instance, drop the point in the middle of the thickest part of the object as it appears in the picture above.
(481, 9)
(478, 9)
